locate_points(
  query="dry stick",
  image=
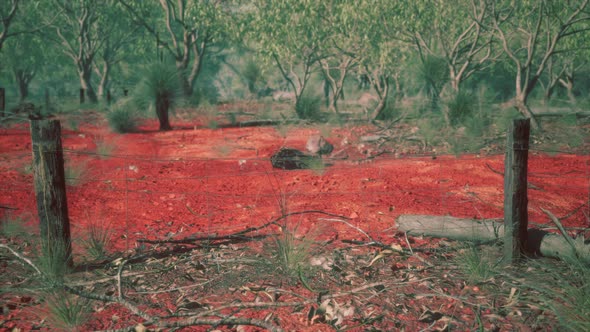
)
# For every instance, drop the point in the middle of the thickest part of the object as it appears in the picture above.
(119, 272)
(240, 234)
(21, 257)
(351, 226)
(211, 322)
(98, 297)
(105, 298)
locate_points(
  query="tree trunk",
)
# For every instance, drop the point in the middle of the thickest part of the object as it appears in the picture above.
(23, 88)
(162, 107)
(522, 107)
(568, 84)
(382, 88)
(481, 231)
(86, 84)
(23, 77)
(104, 80)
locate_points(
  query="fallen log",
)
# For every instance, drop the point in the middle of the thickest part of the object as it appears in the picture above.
(539, 242)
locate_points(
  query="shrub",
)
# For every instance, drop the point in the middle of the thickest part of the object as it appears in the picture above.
(460, 107)
(122, 118)
(252, 75)
(160, 88)
(308, 107)
(98, 240)
(54, 262)
(66, 311)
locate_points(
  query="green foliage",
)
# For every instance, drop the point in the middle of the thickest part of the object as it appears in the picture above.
(571, 296)
(308, 107)
(53, 262)
(66, 311)
(122, 117)
(252, 74)
(159, 80)
(390, 112)
(432, 128)
(562, 288)
(291, 253)
(431, 75)
(98, 239)
(477, 264)
(460, 107)
(12, 227)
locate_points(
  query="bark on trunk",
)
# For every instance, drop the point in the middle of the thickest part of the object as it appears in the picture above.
(23, 89)
(86, 84)
(523, 108)
(479, 231)
(162, 107)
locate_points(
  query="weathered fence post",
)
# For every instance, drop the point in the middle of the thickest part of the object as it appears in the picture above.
(50, 187)
(82, 96)
(515, 190)
(2, 101)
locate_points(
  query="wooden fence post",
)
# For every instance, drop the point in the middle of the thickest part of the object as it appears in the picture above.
(50, 186)
(515, 190)
(82, 96)
(2, 101)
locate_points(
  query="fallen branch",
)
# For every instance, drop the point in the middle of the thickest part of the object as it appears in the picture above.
(241, 234)
(538, 242)
(21, 257)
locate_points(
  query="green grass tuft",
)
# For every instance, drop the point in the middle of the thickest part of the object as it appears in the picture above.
(122, 117)
(67, 312)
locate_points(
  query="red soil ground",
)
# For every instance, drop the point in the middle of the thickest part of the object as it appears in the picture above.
(156, 185)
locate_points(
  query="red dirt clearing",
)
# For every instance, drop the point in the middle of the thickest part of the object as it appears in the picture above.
(199, 181)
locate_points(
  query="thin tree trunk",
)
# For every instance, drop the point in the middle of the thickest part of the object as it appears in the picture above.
(522, 107)
(86, 84)
(162, 107)
(568, 84)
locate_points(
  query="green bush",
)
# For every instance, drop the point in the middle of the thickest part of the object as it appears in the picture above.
(252, 74)
(159, 88)
(460, 107)
(122, 117)
(308, 107)
(390, 112)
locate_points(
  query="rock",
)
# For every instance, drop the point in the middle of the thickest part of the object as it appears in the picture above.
(288, 158)
(318, 145)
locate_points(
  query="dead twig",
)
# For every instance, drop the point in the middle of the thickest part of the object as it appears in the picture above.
(21, 257)
(241, 234)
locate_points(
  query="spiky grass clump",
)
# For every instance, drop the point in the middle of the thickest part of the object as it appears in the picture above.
(565, 289)
(477, 264)
(66, 311)
(97, 240)
(122, 117)
(308, 107)
(160, 88)
(291, 253)
(54, 261)
(431, 76)
(460, 108)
